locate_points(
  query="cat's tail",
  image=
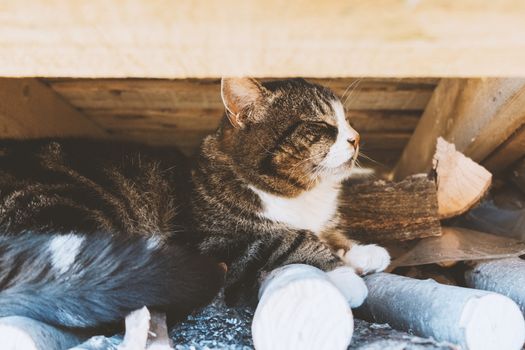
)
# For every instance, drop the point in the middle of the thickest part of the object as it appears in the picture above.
(93, 280)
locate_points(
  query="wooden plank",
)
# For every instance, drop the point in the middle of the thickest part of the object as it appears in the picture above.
(385, 121)
(29, 109)
(177, 39)
(174, 94)
(477, 115)
(181, 119)
(365, 122)
(509, 152)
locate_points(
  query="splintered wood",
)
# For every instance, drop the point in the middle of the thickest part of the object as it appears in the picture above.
(387, 211)
(459, 244)
(146, 331)
(461, 182)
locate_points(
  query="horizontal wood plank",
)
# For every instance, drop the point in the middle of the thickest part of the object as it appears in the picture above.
(30, 109)
(179, 39)
(142, 94)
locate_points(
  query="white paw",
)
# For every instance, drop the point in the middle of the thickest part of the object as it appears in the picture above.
(349, 284)
(367, 259)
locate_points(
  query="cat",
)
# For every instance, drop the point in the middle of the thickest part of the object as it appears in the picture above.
(267, 183)
(262, 192)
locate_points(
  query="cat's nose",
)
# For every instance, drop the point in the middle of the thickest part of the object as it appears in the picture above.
(354, 140)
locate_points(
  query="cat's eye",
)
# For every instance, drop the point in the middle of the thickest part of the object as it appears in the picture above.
(323, 124)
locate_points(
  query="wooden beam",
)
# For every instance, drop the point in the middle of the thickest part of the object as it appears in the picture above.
(509, 152)
(177, 39)
(142, 94)
(30, 109)
(477, 115)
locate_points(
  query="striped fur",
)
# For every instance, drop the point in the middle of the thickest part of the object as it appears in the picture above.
(134, 207)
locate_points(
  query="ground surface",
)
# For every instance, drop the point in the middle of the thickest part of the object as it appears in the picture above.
(220, 327)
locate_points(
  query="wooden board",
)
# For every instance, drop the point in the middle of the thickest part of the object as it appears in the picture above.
(143, 94)
(29, 109)
(477, 115)
(180, 112)
(178, 39)
(508, 153)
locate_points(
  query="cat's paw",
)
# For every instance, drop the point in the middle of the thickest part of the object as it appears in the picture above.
(367, 259)
(349, 284)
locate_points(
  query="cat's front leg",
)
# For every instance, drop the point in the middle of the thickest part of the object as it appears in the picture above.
(364, 258)
(313, 251)
(368, 258)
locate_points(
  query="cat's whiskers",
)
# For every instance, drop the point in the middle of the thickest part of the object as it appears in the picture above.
(361, 154)
(354, 85)
(350, 88)
(300, 163)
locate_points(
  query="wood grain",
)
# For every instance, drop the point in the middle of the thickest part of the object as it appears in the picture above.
(180, 112)
(509, 152)
(477, 115)
(179, 39)
(143, 94)
(30, 109)
(379, 211)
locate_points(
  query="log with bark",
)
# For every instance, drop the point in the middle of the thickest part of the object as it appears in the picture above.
(381, 211)
(505, 276)
(473, 319)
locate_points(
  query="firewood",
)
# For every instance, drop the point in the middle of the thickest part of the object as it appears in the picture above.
(25, 333)
(300, 308)
(461, 182)
(380, 211)
(473, 319)
(505, 276)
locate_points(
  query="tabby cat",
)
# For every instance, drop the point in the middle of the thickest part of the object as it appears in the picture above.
(92, 230)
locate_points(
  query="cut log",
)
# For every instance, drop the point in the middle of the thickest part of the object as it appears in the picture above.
(459, 244)
(18, 332)
(477, 115)
(471, 318)
(379, 211)
(461, 183)
(300, 308)
(505, 276)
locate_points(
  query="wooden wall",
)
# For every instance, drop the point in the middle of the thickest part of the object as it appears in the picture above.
(181, 112)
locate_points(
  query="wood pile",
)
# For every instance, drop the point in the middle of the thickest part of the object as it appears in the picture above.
(482, 311)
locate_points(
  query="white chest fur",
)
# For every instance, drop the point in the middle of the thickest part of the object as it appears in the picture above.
(311, 210)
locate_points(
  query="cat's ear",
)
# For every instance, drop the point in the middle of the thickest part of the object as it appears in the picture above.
(239, 95)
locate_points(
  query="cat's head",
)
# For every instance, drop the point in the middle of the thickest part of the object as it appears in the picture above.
(285, 136)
